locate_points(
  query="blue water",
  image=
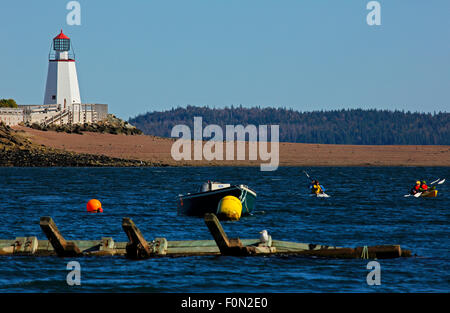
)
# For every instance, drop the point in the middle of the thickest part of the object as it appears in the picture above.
(367, 207)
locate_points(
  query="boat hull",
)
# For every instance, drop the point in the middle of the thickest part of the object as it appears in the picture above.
(198, 204)
(429, 194)
(319, 195)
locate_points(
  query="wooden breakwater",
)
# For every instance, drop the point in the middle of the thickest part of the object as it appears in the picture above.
(138, 247)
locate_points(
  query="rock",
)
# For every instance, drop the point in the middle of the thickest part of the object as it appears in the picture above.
(111, 125)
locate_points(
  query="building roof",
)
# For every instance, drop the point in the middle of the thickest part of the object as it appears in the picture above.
(61, 36)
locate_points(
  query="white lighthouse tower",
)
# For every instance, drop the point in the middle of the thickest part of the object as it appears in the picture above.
(62, 81)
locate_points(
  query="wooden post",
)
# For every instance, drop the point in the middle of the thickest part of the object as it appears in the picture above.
(226, 246)
(216, 230)
(62, 247)
(137, 247)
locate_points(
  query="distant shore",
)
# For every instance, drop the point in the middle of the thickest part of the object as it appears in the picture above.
(155, 151)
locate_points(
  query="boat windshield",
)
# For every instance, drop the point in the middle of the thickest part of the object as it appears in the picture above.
(205, 187)
(209, 186)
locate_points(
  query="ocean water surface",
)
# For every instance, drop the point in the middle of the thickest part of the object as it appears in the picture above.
(366, 207)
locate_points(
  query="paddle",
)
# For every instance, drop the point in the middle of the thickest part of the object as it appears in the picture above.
(417, 195)
(439, 181)
(309, 177)
(306, 174)
(435, 181)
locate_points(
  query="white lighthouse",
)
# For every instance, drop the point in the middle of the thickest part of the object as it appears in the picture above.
(62, 81)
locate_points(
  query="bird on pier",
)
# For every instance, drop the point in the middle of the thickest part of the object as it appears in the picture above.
(264, 238)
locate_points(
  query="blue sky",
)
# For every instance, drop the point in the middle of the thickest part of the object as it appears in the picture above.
(141, 56)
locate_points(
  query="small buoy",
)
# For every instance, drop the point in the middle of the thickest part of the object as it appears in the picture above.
(229, 208)
(94, 206)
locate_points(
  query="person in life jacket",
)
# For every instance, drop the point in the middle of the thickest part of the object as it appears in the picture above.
(416, 188)
(424, 186)
(316, 188)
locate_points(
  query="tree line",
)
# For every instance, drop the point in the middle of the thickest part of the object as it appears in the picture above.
(346, 126)
(8, 103)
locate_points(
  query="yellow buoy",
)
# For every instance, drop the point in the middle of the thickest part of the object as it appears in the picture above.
(230, 208)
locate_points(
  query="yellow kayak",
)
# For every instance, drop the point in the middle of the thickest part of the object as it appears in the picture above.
(429, 194)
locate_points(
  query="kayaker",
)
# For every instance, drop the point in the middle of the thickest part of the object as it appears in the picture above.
(416, 188)
(316, 188)
(424, 186)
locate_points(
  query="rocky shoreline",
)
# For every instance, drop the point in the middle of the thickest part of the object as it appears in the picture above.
(18, 151)
(39, 158)
(111, 125)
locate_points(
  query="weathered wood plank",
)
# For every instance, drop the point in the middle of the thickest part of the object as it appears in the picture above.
(5, 242)
(44, 246)
(406, 253)
(87, 244)
(288, 245)
(120, 245)
(380, 252)
(7, 250)
(205, 243)
(194, 251)
(105, 247)
(216, 230)
(265, 250)
(7, 247)
(226, 246)
(137, 247)
(62, 247)
(340, 253)
(191, 243)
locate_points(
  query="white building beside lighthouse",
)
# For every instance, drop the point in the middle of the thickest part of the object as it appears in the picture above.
(62, 80)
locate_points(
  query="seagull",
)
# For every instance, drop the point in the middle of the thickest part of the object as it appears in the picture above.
(264, 236)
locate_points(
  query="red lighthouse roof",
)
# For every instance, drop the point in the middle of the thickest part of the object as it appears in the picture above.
(61, 36)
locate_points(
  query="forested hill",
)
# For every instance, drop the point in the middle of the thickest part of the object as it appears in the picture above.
(356, 126)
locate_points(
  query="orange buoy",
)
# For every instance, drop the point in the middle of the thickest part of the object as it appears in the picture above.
(94, 206)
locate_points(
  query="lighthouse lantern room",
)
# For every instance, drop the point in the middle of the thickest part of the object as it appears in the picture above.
(62, 81)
